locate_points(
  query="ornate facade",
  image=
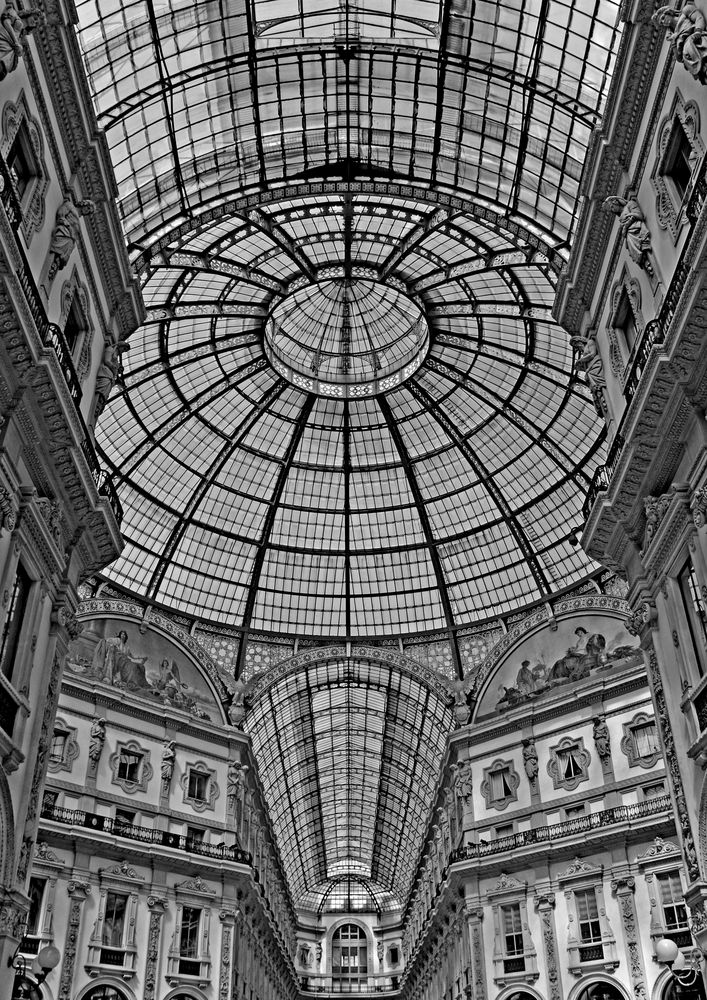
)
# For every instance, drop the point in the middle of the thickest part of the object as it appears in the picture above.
(341, 705)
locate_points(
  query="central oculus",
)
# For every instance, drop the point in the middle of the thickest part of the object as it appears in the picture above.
(346, 337)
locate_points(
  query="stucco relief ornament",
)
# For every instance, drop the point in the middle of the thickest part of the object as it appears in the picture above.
(656, 508)
(698, 506)
(237, 708)
(687, 35)
(634, 232)
(589, 361)
(8, 517)
(530, 760)
(463, 784)
(461, 704)
(645, 614)
(14, 28)
(66, 232)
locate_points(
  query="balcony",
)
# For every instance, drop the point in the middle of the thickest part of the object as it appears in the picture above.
(147, 835)
(581, 824)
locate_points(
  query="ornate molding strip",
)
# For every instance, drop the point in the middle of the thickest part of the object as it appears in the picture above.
(437, 683)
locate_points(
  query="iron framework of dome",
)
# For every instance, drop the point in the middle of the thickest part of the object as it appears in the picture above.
(427, 154)
(349, 411)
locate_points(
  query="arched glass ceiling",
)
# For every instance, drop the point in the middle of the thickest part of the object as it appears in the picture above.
(262, 149)
(349, 753)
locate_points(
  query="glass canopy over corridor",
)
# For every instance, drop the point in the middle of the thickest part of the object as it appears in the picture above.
(349, 411)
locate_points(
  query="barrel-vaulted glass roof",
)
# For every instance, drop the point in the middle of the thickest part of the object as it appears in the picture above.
(349, 411)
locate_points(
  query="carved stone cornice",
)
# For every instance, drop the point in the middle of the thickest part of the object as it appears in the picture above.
(670, 520)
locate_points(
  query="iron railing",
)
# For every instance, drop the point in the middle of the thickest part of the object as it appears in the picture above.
(146, 834)
(579, 824)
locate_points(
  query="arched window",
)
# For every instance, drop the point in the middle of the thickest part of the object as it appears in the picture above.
(601, 991)
(104, 992)
(349, 958)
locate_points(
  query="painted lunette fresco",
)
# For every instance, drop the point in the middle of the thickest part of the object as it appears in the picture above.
(580, 646)
(115, 652)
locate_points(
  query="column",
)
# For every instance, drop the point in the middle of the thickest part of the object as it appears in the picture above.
(156, 906)
(474, 918)
(623, 887)
(78, 891)
(228, 923)
(545, 904)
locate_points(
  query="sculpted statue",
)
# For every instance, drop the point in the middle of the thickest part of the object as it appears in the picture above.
(464, 787)
(687, 33)
(66, 232)
(602, 740)
(530, 759)
(106, 375)
(167, 766)
(97, 739)
(237, 708)
(14, 27)
(633, 229)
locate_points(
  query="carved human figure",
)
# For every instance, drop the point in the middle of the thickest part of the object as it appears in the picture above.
(602, 739)
(97, 739)
(633, 229)
(591, 364)
(167, 766)
(107, 373)
(688, 36)
(66, 232)
(464, 787)
(236, 710)
(461, 704)
(530, 759)
(14, 27)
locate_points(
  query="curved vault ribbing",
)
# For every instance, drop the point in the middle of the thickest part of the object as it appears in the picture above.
(431, 150)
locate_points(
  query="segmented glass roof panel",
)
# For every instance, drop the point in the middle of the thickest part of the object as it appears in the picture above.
(349, 752)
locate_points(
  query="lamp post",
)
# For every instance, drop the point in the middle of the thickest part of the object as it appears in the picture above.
(686, 976)
(46, 960)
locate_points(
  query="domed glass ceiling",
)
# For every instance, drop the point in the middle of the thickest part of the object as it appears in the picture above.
(349, 410)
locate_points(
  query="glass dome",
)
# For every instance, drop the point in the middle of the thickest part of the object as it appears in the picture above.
(349, 410)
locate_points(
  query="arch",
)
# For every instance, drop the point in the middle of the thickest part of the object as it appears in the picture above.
(220, 682)
(597, 988)
(107, 989)
(564, 611)
(337, 934)
(436, 682)
(182, 993)
(7, 834)
(515, 992)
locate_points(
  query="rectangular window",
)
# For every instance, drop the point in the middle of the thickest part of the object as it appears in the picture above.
(625, 321)
(573, 812)
(74, 326)
(504, 831)
(645, 739)
(198, 785)
(21, 162)
(588, 916)
(58, 747)
(512, 929)
(189, 932)
(129, 765)
(695, 613)
(671, 899)
(500, 787)
(49, 802)
(678, 166)
(10, 639)
(114, 920)
(124, 819)
(195, 836)
(36, 897)
(570, 764)
(653, 791)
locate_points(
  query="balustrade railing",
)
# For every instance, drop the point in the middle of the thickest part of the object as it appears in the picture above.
(580, 824)
(146, 835)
